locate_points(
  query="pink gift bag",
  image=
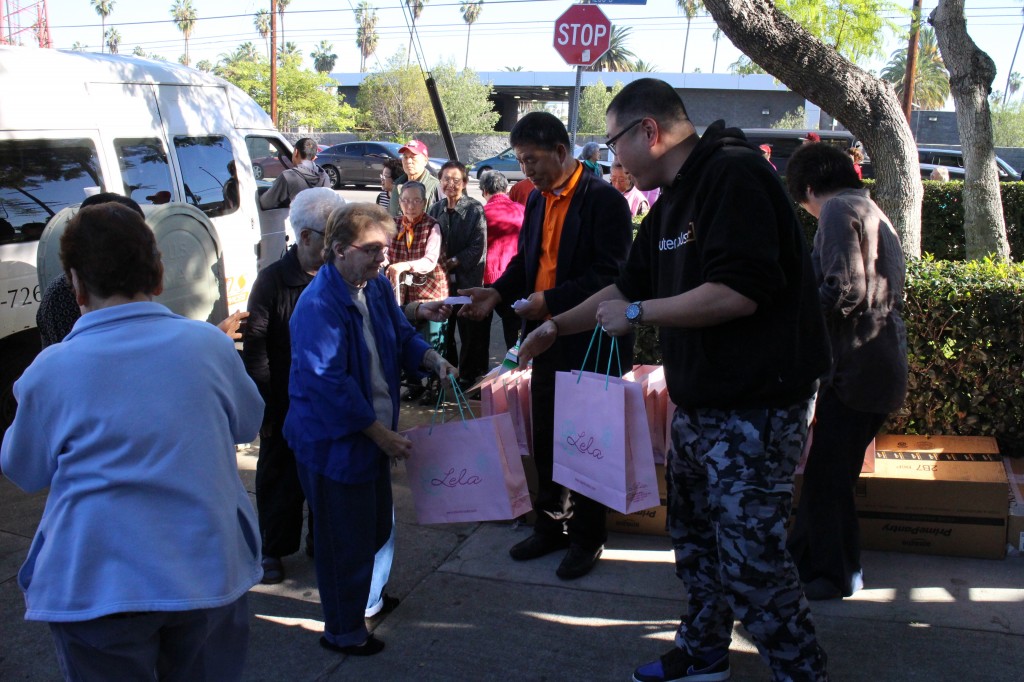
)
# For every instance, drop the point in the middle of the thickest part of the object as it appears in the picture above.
(602, 443)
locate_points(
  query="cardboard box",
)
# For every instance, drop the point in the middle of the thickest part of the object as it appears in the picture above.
(1015, 520)
(647, 522)
(935, 495)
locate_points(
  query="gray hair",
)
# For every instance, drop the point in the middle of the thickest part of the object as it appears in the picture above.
(413, 184)
(493, 182)
(311, 207)
(590, 149)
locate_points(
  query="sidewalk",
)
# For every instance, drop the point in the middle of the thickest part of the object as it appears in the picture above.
(468, 612)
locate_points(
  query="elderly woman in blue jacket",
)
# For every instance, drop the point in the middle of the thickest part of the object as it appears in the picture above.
(350, 340)
(148, 543)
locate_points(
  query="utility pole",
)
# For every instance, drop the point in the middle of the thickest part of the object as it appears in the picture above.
(273, 62)
(911, 72)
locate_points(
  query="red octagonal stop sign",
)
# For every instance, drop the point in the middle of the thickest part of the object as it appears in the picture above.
(582, 34)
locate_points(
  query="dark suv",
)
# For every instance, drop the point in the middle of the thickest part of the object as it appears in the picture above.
(953, 160)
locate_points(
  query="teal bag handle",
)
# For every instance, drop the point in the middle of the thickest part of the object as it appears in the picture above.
(613, 351)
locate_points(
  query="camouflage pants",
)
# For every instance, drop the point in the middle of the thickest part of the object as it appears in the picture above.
(730, 493)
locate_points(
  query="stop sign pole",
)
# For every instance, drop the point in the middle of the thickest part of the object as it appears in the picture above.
(582, 36)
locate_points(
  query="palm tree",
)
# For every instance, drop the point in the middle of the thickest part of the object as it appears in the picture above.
(82, 47)
(323, 58)
(103, 8)
(618, 57)
(644, 67)
(690, 8)
(289, 49)
(931, 81)
(246, 52)
(204, 65)
(366, 32)
(470, 13)
(716, 36)
(416, 8)
(113, 39)
(184, 15)
(1013, 84)
(261, 21)
(512, 68)
(282, 5)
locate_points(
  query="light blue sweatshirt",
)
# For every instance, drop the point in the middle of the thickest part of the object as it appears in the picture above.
(132, 423)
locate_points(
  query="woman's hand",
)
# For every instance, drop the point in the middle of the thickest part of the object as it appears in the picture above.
(434, 311)
(394, 445)
(433, 361)
(230, 324)
(536, 342)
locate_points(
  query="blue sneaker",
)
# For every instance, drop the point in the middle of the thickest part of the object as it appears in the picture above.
(679, 666)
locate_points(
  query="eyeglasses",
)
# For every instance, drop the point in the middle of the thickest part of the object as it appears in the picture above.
(612, 141)
(374, 251)
(451, 181)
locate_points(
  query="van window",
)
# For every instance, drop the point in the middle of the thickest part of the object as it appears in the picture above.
(207, 170)
(38, 178)
(270, 157)
(144, 169)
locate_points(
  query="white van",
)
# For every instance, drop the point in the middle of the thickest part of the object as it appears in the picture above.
(73, 123)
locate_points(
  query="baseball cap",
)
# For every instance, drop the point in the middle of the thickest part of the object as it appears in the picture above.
(812, 137)
(416, 147)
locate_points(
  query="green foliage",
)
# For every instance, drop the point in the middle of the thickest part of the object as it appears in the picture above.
(854, 28)
(465, 99)
(1008, 124)
(745, 66)
(792, 119)
(618, 57)
(931, 80)
(966, 349)
(594, 101)
(394, 101)
(366, 32)
(304, 98)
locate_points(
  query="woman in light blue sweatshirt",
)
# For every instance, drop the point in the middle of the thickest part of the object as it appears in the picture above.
(148, 542)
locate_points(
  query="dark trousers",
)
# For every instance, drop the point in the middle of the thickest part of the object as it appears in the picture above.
(352, 521)
(171, 646)
(511, 323)
(279, 497)
(475, 341)
(825, 540)
(557, 507)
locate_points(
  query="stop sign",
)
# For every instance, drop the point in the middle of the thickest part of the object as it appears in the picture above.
(582, 34)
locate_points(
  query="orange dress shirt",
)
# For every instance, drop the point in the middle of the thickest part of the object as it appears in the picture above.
(556, 207)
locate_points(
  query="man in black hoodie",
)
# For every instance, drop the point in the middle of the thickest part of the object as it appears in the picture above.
(304, 174)
(720, 266)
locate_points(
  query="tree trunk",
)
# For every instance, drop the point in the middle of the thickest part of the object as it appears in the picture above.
(866, 105)
(971, 73)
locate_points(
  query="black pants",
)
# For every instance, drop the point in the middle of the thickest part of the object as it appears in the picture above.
(475, 342)
(279, 497)
(587, 520)
(510, 323)
(825, 540)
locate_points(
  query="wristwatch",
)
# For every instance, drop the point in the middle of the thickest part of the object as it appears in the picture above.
(635, 313)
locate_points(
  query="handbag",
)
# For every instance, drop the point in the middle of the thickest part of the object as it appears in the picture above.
(602, 441)
(466, 470)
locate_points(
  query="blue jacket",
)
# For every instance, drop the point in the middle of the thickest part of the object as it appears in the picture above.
(329, 388)
(132, 422)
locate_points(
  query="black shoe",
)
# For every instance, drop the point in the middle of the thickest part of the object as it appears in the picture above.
(388, 604)
(679, 666)
(578, 562)
(821, 589)
(273, 570)
(537, 545)
(371, 646)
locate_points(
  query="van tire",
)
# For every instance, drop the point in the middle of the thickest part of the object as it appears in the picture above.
(18, 353)
(334, 175)
(480, 171)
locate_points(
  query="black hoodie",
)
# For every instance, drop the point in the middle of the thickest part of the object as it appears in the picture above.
(727, 219)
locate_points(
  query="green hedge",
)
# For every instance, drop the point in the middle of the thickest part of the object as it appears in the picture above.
(942, 218)
(966, 349)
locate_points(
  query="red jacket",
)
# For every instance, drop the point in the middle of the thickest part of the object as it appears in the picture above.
(504, 220)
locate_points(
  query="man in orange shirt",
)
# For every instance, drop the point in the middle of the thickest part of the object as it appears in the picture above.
(576, 234)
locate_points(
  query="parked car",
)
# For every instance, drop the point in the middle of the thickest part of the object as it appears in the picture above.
(953, 160)
(508, 165)
(360, 163)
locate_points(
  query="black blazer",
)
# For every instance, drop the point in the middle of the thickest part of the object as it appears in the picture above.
(595, 241)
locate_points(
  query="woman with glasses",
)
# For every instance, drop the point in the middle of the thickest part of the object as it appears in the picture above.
(416, 270)
(388, 174)
(464, 242)
(349, 342)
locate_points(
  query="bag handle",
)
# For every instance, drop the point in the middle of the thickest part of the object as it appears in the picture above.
(460, 400)
(612, 351)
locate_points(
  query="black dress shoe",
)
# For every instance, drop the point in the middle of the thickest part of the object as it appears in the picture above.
(537, 545)
(273, 570)
(578, 562)
(388, 604)
(371, 646)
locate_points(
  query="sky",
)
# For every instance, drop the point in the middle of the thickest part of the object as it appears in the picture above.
(509, 33)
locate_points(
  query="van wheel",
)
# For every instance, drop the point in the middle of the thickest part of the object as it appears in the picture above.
(334, 175)
(257, 171)
(18, 354)
(480, 171)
